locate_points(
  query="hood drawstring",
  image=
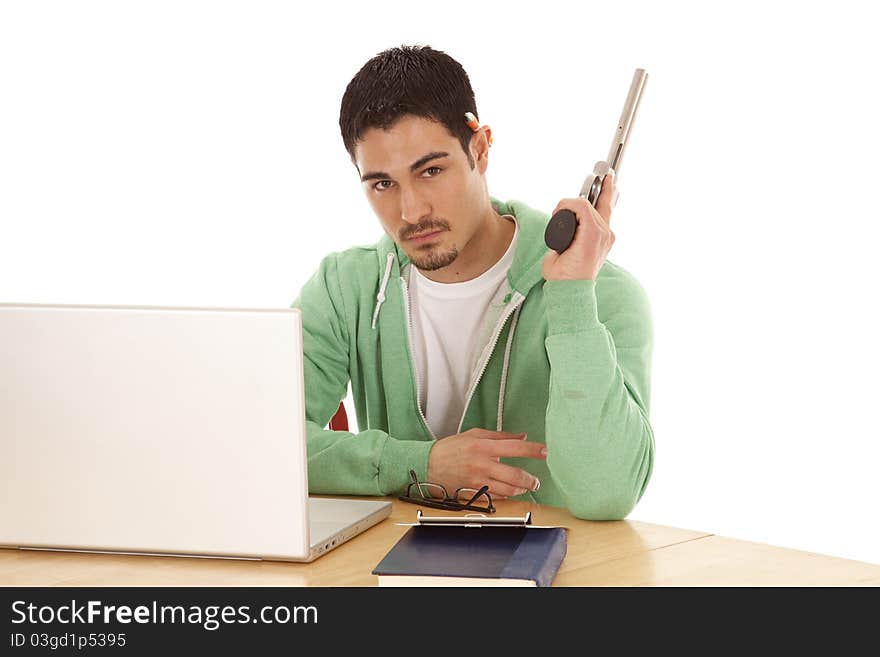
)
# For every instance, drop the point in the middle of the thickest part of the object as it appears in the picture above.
(380, 298)
(504, 368)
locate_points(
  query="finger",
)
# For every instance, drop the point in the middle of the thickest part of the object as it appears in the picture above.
(512, 476)
(503, 435)
(518, 448)
(500, 490)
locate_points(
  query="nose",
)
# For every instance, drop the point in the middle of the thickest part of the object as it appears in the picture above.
(413, 206)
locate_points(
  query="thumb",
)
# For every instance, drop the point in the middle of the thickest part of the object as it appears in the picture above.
(606, 197)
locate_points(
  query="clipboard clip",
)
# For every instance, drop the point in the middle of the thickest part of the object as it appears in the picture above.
(471, 520)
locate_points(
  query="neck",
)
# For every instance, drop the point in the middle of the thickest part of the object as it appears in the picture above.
(484, 249)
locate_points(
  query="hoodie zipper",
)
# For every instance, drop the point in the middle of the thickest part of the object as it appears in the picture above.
(412, 362)
(498, 328)
(409, 329)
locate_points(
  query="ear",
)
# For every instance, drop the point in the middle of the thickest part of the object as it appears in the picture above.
(480, 142)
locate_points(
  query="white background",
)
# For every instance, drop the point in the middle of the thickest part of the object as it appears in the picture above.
(185, 153)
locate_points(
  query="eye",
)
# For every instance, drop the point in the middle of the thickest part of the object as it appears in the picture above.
(437, 169)
(378, 186)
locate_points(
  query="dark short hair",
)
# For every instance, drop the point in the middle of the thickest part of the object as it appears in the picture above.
(409, 80)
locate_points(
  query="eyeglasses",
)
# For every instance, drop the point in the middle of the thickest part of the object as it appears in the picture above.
(443, 500)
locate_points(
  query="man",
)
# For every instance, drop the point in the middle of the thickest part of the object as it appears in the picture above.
(475, 354)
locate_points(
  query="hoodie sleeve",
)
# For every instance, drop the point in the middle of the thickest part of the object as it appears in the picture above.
(600, 445)
(341, 462)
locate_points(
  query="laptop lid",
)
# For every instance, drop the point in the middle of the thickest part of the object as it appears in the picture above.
(148, 429)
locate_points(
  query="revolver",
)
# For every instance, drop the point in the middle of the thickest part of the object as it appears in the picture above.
(560, 229)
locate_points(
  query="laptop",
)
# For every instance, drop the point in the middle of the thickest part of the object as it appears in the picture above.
(157, 430)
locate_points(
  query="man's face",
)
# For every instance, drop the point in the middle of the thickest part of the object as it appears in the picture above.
(418, 180)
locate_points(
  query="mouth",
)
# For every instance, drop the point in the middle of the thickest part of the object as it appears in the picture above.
(425, 237)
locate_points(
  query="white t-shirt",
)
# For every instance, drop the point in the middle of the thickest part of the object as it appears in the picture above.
(446, 320)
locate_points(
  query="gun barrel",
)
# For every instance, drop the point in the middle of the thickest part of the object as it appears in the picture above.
(627, 117)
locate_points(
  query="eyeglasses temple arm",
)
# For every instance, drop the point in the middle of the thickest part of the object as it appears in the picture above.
(477, 494)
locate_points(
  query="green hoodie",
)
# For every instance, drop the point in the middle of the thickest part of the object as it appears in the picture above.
(567, 362)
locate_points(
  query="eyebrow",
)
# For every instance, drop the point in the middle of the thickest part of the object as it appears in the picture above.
(381, 175)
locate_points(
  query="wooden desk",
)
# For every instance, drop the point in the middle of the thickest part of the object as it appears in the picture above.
(624, 553)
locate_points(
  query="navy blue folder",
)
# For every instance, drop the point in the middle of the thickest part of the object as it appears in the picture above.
(526, 553)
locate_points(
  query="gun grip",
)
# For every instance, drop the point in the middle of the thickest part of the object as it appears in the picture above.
(560, 230)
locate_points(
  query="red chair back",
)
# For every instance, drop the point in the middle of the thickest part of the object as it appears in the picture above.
(339, 421)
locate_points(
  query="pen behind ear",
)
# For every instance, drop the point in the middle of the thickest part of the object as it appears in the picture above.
(560, 229)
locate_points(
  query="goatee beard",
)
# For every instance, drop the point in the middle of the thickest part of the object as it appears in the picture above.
(433, 260)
